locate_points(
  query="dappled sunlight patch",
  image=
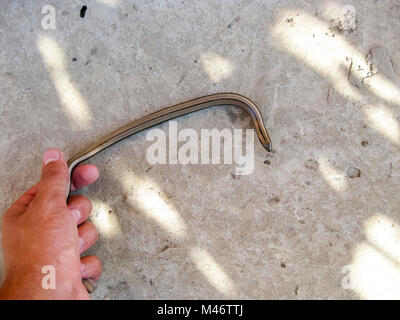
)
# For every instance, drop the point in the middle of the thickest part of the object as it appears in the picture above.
(373, 275)
(145, 194)
(307, 40)
(332, 176)
(72, 101)
(384, 234)
(374, 272)
(110, 3)
(217, 67)
(383, 121)
(213, 272)
(326, 51)
(383, 88)
(105, 219)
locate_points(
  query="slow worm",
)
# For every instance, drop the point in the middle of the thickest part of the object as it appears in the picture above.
(169, 113)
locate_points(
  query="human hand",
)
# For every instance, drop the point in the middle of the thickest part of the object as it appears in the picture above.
(42, 229)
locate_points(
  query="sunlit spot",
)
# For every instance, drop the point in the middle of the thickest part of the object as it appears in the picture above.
(71, 99)
(382, 120)
(217, 67)
(384, 233)
(331, 10)
(105, 219)
(373, 275)
(146, 195)
(313, 42)
(307, 40)
(213, 272)
(384, 88)
(332, 176)
(110, 3)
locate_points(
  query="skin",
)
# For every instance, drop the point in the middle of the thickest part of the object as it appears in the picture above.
(41, 229)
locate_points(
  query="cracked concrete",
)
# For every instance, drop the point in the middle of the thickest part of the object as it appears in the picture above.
(300, 226)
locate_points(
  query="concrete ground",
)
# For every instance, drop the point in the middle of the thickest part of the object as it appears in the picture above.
(317, 219)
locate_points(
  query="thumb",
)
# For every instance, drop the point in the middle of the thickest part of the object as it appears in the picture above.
(54, 181)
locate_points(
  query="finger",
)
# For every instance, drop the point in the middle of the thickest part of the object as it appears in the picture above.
(91, 268)
(84, 175)
(80, 208)
(54, 182)
(88, 235)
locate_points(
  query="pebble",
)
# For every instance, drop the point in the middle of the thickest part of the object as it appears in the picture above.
(353, 172)
(274, 200)
(311, 164)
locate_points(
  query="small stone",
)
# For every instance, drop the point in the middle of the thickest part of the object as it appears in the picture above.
(347, 22)
(274, 200)
(352, 172)
(267, 162)
(83, 11)
(364, 143)
(311, 164)
(74, 59)
(235, 176)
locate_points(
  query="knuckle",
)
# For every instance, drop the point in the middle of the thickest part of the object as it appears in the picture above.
(87, 227)
(97, 265)
(50, 201)
(90, 226)
(83, 201)
(48, 198)
(89, 204)
(94, 230)
(56, 170)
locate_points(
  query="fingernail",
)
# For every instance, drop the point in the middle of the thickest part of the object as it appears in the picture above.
(77, 214)
(81, 242)
(51, 155)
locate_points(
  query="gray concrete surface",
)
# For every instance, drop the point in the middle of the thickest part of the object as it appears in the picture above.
(304, 225)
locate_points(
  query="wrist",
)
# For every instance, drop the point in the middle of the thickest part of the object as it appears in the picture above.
(31, 286)
(21, 285)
